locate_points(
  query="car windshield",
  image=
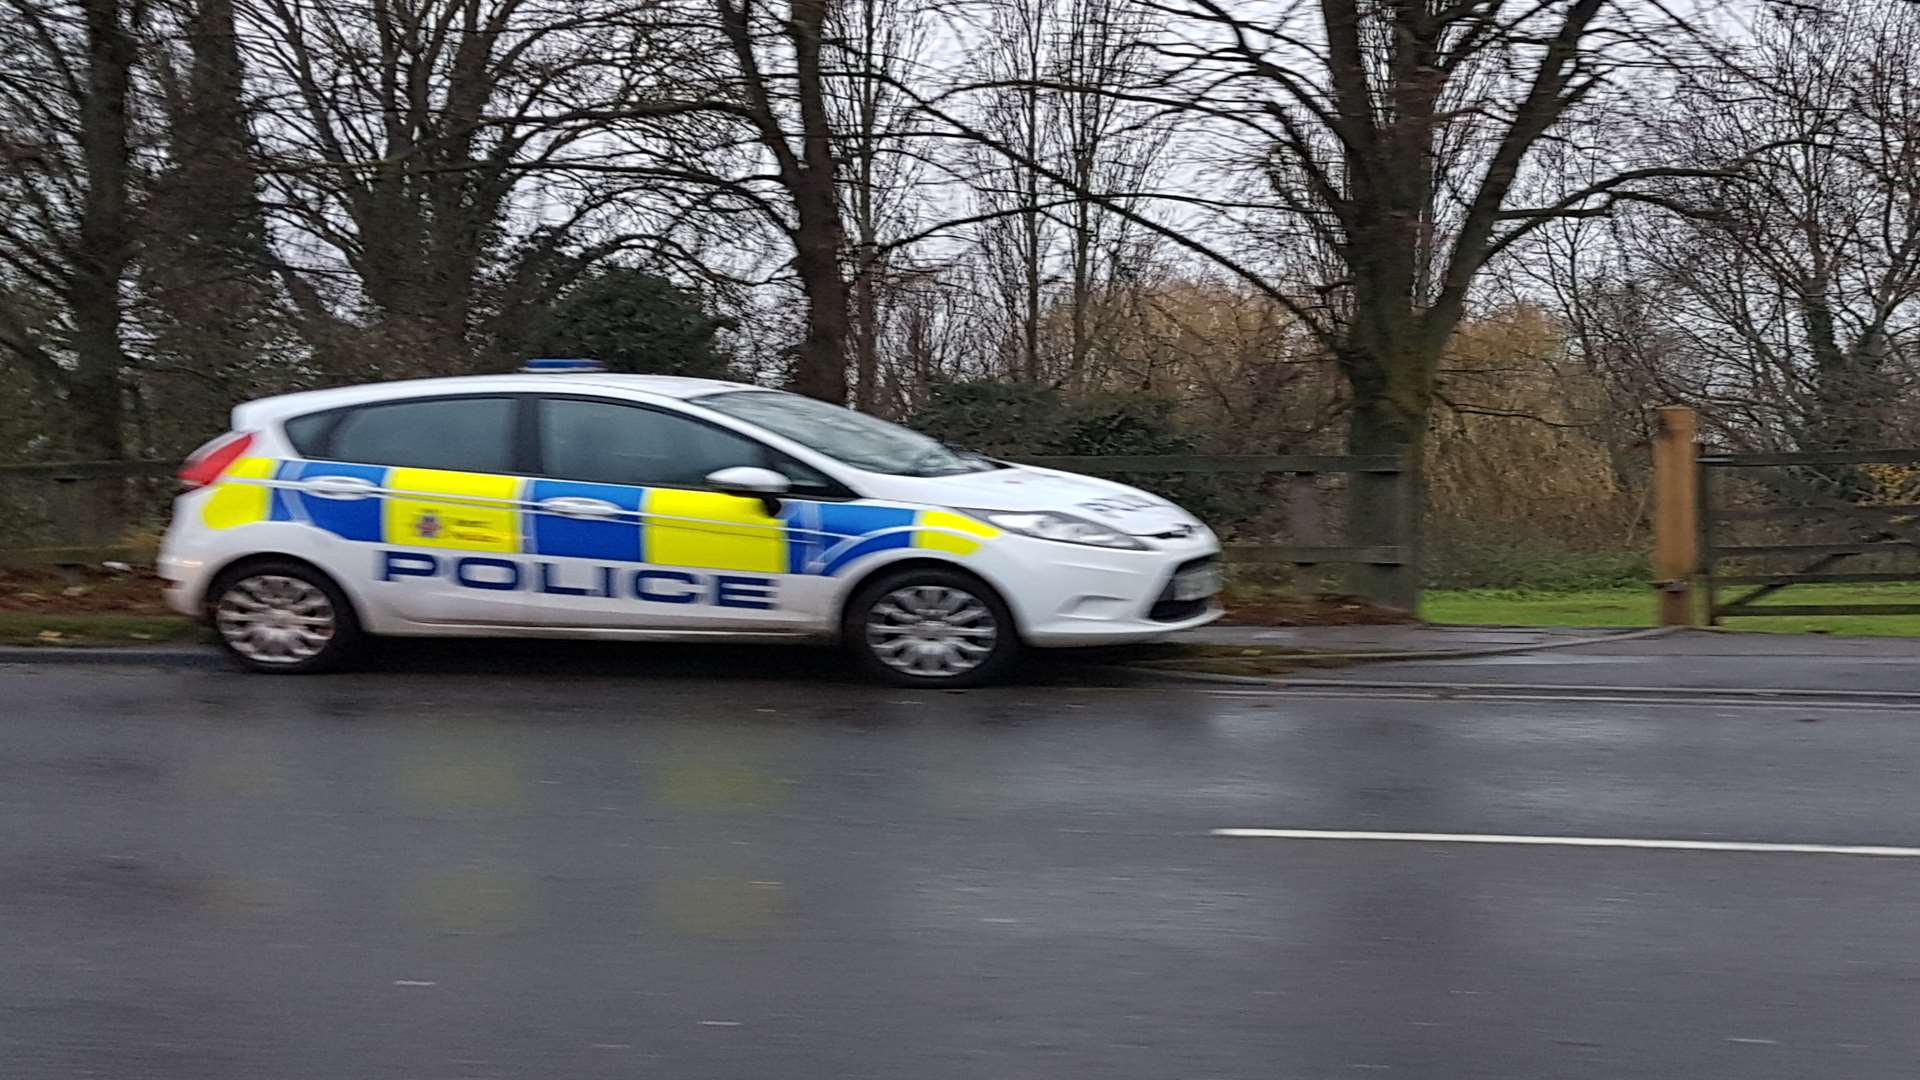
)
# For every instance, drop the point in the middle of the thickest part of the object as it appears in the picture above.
(844, 435)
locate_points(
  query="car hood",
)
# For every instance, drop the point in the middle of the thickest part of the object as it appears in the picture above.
(1021, 487)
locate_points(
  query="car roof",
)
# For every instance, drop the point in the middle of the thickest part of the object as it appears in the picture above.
(663, 386)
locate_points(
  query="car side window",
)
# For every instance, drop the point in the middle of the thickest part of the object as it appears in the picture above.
(308, 433)
(462, 434)
(611, 443)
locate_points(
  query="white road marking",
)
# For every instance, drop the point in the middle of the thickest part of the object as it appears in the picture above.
(1574, 841)
(1758, 693)
(1282, 692)
(1573, 696)
(413, 982)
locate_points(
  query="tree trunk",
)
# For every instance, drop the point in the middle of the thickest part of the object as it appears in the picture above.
(104, 249)
(819, 234)
(866, 145)
(1030, 222)
(866, 338)
(822, 369)
(1082, 282)
(94, 389)
(1392, 401)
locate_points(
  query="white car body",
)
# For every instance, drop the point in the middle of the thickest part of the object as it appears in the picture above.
(448, 552)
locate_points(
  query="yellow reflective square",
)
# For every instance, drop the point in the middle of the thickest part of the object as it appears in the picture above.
(457, 510)
(710, 531)
(940, 531)
(237, 499)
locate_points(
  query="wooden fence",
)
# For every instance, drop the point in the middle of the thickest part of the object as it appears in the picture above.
(1308, 530)
(81, 512)
(1884, 536)
(1757, 511)
(84, 512)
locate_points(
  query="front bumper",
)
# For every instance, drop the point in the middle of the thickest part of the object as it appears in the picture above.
(1062, 635)
(1102, 597)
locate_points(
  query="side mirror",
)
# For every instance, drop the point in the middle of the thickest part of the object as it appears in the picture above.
(751, 482)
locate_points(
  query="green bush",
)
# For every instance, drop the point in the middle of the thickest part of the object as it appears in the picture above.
(634, 321)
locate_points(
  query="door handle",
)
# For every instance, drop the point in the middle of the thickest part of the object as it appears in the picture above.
(340, 487)
(575, 506)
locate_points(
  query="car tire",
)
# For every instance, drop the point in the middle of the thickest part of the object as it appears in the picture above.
(283, 617)
(930, 628)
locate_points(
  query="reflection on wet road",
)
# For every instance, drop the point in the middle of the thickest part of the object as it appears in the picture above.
(452, 874)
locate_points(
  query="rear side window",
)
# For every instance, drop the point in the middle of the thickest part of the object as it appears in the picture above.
(308, 433)
(462, 434)
(621, 444)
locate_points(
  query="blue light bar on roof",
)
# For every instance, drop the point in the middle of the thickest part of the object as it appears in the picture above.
(548, 367)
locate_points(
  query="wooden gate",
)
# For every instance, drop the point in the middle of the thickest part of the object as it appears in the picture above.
(1834, 517)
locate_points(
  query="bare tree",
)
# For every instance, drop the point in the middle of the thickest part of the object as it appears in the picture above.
(1013, 193)
(401, 149)
(1399, 134)
(1393, 136)
(941, 333)
(742, 136)
(876, 45)
(1059, 169)
(789, 114)
(1110, 146)
(1797, 281)
(67, 220)
(212, 311)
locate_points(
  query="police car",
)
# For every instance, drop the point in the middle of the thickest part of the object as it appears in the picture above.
(563, 501)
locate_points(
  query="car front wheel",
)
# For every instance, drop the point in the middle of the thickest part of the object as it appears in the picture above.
(932, 628)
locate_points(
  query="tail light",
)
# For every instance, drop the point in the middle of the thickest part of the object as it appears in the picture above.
(205, 465)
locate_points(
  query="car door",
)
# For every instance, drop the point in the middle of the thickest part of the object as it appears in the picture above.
(424, 496)
(627, 533)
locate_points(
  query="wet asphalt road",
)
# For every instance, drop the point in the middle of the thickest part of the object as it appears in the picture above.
(446, 871)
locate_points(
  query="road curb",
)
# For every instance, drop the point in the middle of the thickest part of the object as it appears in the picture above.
(1405, 656)
(182, 656)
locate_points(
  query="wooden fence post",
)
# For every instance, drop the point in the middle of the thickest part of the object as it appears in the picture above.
(1676, 515)
(1391, 525)
(1303, 522)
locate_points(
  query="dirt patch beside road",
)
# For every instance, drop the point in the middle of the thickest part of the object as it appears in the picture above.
(1261, 608)
(81, 591)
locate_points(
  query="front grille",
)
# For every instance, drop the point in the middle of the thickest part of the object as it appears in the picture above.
(1176, 610)
(1166, 609)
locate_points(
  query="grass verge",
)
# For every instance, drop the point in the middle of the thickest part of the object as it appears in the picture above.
(1635, 607)
(33, 628)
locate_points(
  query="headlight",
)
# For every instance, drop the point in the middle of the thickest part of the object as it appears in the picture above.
(1047, 525)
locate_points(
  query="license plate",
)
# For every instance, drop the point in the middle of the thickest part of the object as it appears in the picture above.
(1196, 584)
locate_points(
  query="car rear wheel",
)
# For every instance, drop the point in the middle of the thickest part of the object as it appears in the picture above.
(933, 628)
(284, 618)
